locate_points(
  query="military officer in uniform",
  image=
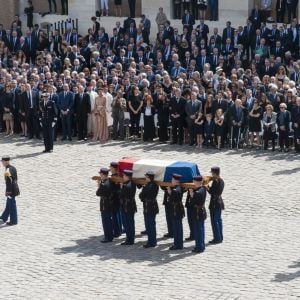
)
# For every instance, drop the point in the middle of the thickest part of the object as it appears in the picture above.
(104, 191)
(167, 205)
(128, 206)
(148, 196)
(177, 211)
(116, 210)
(197, 203)
(189, 214)
(48, 118)
(216, 205)
(12, 190)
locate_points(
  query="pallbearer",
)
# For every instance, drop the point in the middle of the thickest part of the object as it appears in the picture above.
(216, 205)
(189, 214)
(177, 211)
(105, 192)
(128, 206)
(116, 209)
(168, 212)
(148, 197)
(197, 202)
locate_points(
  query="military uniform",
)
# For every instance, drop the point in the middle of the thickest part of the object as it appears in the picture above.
(177, 214)
(11, 191)
(167, 205)
(216, 206)
(198, 216)
(189, 213)
(105, 193)
(48, 118)
(148, 197)
(116, 208)
(128, 207)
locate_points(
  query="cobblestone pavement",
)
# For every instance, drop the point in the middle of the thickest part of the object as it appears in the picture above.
(55, 251)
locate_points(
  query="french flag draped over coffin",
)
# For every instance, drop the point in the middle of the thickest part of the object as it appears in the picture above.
(163, 169)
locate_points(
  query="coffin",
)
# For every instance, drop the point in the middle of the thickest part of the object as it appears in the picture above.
(163, 169)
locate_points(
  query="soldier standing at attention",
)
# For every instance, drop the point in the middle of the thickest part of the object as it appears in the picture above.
(48, 118)
(104, 192)
(12, 190)
(197, 201)
(175, 193)
(148, 197)
(128, 205)
(216, 205)
(116, 211)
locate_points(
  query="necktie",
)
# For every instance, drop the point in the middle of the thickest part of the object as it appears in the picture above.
(65, 94)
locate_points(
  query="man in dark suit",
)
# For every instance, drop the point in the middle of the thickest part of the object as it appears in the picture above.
(14, 41)
(283, 122)
(278, 50)
(114, 40)
(177, 113)
(217, 37)
(82, 107)
(31, 106)
(74, 37)
(168, 31)
(2, 33)
(296, 124)
(202, 30)
(131, 31)
(228, 33)
(192, 108)
(248, 33)
(48, 118)
(65, 106)
(256, 16)
(280, 10)
(267, 69)
(220, 102)
(237, 120)
(188, 20)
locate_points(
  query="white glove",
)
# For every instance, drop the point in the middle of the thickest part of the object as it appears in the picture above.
(41, 124)
(53, 124)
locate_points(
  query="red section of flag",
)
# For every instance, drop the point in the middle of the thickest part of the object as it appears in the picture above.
(126, 163)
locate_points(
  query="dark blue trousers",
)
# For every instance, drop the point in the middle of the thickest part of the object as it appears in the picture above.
(177, 232)
(129, 226)
(151, 229)
(48, 135)
(117, 223)
(216, 224)
(199, 234)
(10, 211)
(66, 122)
(169, 220)
(189, 212)
(107, 224)
(123, 221)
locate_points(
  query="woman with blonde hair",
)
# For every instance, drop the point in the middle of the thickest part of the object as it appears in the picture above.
(219, 126)
(269, 125)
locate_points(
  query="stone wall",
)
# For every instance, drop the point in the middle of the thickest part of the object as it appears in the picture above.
(8, 10)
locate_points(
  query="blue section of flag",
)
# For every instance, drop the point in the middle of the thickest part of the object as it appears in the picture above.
(186, 169)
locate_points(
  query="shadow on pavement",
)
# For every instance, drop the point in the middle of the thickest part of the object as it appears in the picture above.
(135, 253)
(286, 172)
(288, 276)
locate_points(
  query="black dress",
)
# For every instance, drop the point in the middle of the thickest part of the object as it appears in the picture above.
(29, 12)
(149, 127)
(163, 119)
(255, 123)
(199, 128)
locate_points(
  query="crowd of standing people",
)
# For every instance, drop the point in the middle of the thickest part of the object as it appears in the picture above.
(236, 88)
